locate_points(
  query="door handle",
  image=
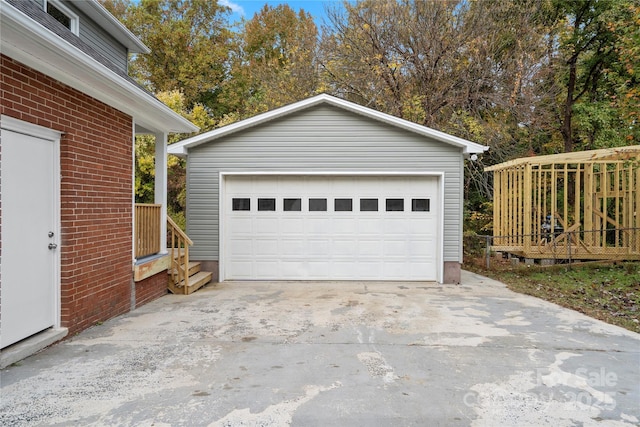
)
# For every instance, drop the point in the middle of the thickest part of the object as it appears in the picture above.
(52, 246)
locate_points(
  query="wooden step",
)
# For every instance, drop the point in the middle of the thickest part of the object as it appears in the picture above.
(196, 281)
(194, 267)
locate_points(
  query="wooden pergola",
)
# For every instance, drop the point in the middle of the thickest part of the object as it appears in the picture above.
(582, 205)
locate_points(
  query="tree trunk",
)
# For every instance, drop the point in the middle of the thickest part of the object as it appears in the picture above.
(567, 128)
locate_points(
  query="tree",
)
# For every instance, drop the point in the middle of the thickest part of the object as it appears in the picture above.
(274, 60)
(189, 42)
(584, 62)
(145, 158)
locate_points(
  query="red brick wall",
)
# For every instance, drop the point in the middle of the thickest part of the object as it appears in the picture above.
(151, 288)
(96, 191)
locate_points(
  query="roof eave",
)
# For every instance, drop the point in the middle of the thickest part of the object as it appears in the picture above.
(35, 46)
(468, 147)
(112, 25)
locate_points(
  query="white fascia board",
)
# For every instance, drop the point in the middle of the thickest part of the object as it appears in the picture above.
(468, 147)
(33, 45)
(112, 25)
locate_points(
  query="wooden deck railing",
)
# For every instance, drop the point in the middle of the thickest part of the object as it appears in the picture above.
(178, 245)
(147, 229)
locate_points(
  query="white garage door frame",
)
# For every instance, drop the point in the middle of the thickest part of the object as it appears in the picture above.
(53, 136)
(440, 205)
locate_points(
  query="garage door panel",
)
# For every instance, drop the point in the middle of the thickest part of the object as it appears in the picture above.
(316, 226)
(324, 244)
(392, 248)
(293, 270)
(319, 248)
(239, 247)
(266, 225)
(370, 248)
(343, 226)
(266, 247)
(392, 268)
(292, 247)
(242, 225)
(291, 226)
(343, 247)
(241, 269)
(318, 269)
(370, 226)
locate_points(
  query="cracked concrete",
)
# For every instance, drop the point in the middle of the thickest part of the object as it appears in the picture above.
(335, 353)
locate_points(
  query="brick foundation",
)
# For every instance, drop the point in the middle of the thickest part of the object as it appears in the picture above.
(151, 288)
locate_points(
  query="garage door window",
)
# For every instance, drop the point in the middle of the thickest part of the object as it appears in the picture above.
(420, 205)
(395, 205)
(266, 204)
(343, 205)
(241, 204)
(292, 205)
(368, 205)
(317, 205)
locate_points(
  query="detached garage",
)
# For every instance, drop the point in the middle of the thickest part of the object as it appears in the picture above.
(325, 189)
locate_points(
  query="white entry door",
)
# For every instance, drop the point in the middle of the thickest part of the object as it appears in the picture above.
(29, 227)
(292, 227)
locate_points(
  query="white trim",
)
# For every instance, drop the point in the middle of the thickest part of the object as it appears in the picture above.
(133, 192)
(181, 148)
(160, 185)
(221, 197)
(20, 126)
(26, 128)
(35, 46)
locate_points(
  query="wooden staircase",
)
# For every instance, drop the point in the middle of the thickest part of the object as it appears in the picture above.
(185, 277)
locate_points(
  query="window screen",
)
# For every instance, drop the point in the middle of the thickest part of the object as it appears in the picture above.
(343, 205)
(266, 204)
(290, 205)
(241, 204)
(395, 205)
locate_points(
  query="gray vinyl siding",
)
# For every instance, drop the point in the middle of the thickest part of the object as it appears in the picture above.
(101, 41)
(323, 138)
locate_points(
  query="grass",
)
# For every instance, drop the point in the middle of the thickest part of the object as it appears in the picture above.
(606, 291)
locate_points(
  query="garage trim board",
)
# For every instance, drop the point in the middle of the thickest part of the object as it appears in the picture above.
(292, 225)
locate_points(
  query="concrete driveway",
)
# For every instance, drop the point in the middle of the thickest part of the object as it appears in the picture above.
(335, 354)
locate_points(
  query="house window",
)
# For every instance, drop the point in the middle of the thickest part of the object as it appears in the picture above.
(368, 205)
(420, 205)
(317, 205)
(62, 14)
(395, 205)
(292, 205)
(343, 205)
(241, 204)
(266, 204)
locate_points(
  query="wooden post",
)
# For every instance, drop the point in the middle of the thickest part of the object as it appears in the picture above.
(588, 204)
(527, 200)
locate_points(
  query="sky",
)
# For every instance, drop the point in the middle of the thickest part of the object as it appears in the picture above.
(247, 8)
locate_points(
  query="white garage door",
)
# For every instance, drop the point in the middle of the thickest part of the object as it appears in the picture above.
(330, 228)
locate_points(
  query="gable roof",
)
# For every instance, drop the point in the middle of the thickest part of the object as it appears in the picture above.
(181, 148)
(40, 48)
